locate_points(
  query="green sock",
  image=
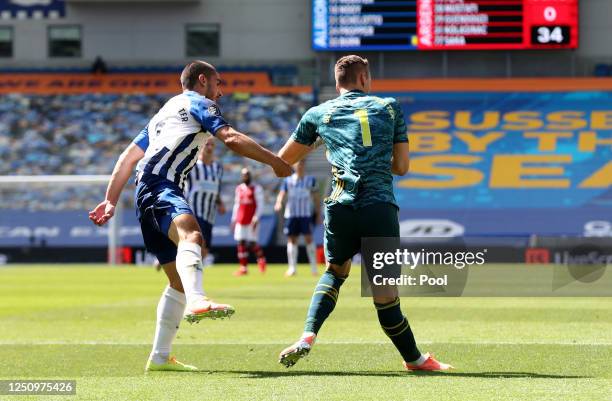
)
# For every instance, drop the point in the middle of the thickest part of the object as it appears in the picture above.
(323, 301)
(396, 327)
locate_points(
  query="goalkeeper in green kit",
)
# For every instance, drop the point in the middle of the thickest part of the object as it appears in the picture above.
(367, 143)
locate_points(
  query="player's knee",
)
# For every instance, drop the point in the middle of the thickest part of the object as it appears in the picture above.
(338, 270)
(383, 300)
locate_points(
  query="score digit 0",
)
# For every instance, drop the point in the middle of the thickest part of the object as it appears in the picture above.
(550, 14)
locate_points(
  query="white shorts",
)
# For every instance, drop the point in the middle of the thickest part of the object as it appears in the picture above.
(246, 232)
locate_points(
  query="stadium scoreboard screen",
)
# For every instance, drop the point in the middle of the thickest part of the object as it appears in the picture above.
(359, 25)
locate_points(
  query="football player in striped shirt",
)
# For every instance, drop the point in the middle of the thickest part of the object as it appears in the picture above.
(301, 212)
(203, 192)
(163, 153)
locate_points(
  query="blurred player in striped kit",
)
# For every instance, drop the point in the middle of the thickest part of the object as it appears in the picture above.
(203, 192)
(302, 211)
(248, 207)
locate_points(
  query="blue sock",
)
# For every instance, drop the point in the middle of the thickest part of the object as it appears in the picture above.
(396, 327)
(323, 301)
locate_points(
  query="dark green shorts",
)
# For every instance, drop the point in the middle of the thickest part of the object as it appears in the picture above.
(345, 226)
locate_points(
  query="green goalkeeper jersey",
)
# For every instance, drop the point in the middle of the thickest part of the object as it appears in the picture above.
(359, 131)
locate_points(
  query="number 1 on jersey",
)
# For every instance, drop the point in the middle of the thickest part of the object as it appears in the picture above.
(366, 137)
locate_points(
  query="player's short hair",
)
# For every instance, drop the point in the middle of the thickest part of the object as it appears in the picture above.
(348, 68)
(191, 72)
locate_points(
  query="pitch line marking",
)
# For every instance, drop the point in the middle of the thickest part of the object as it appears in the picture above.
(279, 343)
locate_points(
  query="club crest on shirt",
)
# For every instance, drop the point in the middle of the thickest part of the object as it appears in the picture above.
(213, 110)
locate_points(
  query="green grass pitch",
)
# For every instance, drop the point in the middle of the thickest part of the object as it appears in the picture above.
(95, 324)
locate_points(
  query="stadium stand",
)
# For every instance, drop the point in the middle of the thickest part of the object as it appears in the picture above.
(96, 127)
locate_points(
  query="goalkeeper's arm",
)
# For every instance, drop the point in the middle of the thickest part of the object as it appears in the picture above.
(400, 162)
(292, 152)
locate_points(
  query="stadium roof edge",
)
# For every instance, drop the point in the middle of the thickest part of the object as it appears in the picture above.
(492, 85)
(278, 69)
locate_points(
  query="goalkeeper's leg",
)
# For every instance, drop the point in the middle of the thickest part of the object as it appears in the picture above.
(341, 244)
(322, 304)
(396, 327)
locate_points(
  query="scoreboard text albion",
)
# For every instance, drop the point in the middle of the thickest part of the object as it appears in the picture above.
(444, 24)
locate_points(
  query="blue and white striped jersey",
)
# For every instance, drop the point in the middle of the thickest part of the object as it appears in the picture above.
(202, 188)
(299, 195)
(173, 138)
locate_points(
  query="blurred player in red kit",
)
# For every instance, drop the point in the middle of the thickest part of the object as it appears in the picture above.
(248, 207)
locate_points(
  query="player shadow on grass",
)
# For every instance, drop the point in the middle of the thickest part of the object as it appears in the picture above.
(254, 374)
(499, 375)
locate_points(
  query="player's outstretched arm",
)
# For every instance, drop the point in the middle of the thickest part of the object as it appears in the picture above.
(245, 146)
(121, 174)
(294, 151)
(400, 162)
(235, 208)
(280, 199)
(259, 205)
(220, 205)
